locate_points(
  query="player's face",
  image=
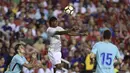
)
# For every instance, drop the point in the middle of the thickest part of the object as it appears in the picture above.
(22, 49)
(55, 23)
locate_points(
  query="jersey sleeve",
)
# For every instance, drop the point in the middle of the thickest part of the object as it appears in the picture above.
(94, 49)
(118, 56)
(51, 32)
(60, 29)
(20, 61)
(26, 60)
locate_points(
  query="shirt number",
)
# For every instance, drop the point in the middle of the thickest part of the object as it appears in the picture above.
(106, 58)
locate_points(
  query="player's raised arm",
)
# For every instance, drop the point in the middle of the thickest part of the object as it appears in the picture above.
(54, 29)
(29, 66)
(61, 32)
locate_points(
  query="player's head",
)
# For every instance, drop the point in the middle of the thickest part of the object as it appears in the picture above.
(107, 35)
(19, 49)
(2, 60)
(53, 22)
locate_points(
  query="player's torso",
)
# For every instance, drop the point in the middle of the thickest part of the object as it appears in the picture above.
(55, 40)
(105, 56)
(14, 66)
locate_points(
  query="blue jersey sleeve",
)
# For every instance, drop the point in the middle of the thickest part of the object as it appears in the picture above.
(94, 49)
(118, 56)
(20, 61)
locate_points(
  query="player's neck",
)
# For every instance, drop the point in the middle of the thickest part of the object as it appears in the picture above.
(20, 54)
(105, 40)
(53, 26)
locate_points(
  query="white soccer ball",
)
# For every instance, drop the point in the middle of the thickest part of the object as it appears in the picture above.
(69, 9)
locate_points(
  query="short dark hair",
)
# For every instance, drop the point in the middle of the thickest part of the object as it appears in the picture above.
(17, 47)
(107, 34)
(52, 19)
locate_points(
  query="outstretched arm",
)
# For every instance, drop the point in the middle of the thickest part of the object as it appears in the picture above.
(77, 34)
(68, 32)
(61, 32)
(29, 66)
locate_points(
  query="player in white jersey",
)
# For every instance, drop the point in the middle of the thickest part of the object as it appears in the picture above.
(105, 53)
(54, 32)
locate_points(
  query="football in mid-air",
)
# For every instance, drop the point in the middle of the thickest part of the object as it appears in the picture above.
(69, 9)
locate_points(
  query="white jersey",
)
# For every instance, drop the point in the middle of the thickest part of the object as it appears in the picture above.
(55, 40)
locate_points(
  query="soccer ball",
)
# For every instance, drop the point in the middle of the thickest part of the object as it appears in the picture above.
(69, 9)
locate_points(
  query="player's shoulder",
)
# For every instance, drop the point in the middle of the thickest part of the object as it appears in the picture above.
(49, 28)
(98, 43)
(112, 45)
(58, 27)
(16, 57)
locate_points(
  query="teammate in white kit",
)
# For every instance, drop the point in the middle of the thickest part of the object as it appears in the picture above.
(54, 32)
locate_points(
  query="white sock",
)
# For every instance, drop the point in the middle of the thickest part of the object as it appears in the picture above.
(52, 70)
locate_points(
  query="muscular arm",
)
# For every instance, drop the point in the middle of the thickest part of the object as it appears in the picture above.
(31, 64)
(61, 32)
(68, 32)
(28, 65)
(76, 34)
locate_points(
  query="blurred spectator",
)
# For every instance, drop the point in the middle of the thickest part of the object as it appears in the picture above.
(65, 50)
(41, 20)
(27, 20)
(40, 47)
(2, 21)
(1, 63)
(6, 27)
(57, 11)
(89, 65)
(117, 67)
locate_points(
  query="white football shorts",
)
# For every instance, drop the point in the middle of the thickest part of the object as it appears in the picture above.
(55, 57)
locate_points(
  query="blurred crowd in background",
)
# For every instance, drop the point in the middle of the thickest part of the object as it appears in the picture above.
(26, 21)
